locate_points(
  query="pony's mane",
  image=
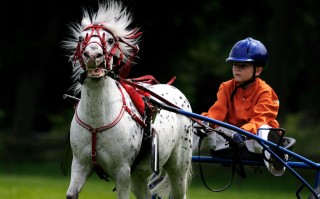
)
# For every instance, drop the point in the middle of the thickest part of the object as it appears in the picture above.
(116, 18)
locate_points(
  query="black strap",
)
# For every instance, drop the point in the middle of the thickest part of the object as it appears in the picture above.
(237, 165)
(201, 172)
(240, 86)
(146, 139)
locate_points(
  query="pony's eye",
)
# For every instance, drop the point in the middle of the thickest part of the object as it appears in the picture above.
(110, 41)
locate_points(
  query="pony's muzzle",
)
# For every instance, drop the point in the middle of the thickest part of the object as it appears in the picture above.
(92, 59)
(95, 64)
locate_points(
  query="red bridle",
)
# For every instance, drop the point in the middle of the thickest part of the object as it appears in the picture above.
(96, 27)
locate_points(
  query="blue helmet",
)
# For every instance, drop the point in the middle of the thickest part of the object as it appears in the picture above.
(249, 50)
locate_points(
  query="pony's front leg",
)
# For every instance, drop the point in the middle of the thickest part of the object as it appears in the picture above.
(79, 174)
(122, 179)
(140, 186)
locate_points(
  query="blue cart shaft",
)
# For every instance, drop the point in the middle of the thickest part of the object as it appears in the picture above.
(252, 136)
(303, 164)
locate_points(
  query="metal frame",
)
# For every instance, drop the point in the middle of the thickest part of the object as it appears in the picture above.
(302, 162)
(289, 164)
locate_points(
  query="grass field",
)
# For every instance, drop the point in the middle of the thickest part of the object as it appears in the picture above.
(37, 180)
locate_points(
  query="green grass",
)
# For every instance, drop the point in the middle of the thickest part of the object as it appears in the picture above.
(46, 181)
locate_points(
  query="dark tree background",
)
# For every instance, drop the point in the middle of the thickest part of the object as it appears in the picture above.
(189, 40)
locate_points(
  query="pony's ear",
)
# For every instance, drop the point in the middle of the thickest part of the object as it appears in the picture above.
(85, 22)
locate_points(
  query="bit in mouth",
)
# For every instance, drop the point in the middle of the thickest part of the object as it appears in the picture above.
(96, 73)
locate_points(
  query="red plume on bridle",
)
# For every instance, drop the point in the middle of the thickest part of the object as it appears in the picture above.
(121, 67)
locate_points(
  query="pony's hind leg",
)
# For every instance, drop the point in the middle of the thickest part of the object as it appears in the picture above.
(179, 185)
(79, 174)
(179, 171)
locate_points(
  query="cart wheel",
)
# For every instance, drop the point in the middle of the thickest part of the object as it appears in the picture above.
(317, 190)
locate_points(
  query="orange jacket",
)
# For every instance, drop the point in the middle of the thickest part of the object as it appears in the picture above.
(251, 107)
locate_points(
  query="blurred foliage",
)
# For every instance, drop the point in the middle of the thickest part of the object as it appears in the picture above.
(190, 42)
(61, 122)
(306, 133)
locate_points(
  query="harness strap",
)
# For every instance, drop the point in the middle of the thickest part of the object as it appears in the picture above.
(142, 88)
(149, 92)
(149, 79)
(103, 128)
(135, 117)
(93, 147)
(125, 69)
(172, 80)
(146, 90)
(94, 131)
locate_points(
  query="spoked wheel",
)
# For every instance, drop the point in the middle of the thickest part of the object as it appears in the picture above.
(317, 190)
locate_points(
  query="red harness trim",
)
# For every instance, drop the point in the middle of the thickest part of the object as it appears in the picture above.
(94, 131)
(149, 92)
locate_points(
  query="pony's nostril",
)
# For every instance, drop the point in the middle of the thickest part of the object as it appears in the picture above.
(86, 55)
(99, 55)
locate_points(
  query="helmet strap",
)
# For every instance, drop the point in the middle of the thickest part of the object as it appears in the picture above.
(254, 71)
(241, 86)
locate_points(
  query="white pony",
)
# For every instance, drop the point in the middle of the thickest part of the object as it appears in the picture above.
(107, 130)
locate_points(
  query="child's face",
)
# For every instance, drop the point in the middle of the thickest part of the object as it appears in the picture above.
(242, 72)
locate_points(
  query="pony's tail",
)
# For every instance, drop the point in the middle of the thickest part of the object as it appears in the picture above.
(159, 185)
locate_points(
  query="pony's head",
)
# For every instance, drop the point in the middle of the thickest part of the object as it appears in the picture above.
(103, 41)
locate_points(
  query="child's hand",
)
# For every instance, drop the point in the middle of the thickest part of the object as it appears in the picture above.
(238, 138)
(201, 129)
